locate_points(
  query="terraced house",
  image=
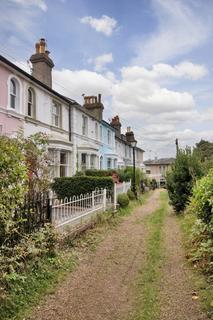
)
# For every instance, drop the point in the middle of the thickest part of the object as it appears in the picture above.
(79, 138)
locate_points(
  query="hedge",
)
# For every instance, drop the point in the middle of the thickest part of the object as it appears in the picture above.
(99, 173)
(70, 186)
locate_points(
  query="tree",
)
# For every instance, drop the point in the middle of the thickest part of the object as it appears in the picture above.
(204, 149)
(180, 179)
(35, 150)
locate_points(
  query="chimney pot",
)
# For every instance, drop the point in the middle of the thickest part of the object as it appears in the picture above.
(99, 98)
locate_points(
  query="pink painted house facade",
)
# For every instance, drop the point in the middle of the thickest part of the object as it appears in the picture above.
(11, 119)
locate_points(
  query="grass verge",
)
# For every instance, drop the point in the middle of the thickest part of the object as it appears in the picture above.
(147, 304)
(201, 283)
(41, 278)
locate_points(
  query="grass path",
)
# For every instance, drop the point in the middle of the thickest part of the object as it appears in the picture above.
(147, 285)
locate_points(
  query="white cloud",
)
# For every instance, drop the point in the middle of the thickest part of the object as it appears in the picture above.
(184, 69)
(101, 61)
(36, 3)
(179, 30)
(78, 82)
(105, 24)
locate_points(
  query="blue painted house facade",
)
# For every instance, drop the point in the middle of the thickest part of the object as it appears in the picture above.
(107, 152)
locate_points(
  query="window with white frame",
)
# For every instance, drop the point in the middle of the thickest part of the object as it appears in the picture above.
(63, 164)
(115, 163)
(109, 163)
(101, 163)
(101, 134)
(83, 161)
(93, 161)
(31, 103)
(84, 125)
(125, 150)
(56, 114)
(108, 137)
(14, 94)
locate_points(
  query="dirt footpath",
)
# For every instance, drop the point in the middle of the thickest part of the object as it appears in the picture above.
(99, 288)
(176, 287)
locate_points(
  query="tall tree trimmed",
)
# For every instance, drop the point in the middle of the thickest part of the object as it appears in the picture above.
(180, 179)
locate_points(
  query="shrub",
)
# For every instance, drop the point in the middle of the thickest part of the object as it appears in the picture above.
(202, 199)
(123, 200)
(99, 173)
(180, 179)
(131, 195)
(13, 186)
(70, 186)
(201, 206)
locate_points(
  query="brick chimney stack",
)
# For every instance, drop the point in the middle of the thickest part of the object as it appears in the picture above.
(115, 123)
(94, 106)
(130, 137)
(42, 64)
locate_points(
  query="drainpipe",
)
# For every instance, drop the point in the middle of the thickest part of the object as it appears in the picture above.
(70, 126)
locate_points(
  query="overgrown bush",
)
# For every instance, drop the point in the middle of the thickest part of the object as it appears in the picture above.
(13, 186)
(123, 200)
(70, 186)
(201, 206)
(31, 247)
(202, 199)
(180, 179)
(131, 195)
(125, 174)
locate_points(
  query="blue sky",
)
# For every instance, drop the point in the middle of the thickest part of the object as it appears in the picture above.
(151, 60)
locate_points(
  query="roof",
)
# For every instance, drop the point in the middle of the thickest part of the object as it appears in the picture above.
(29, 76)
(108, 124)
(138, 148)
(159, 161)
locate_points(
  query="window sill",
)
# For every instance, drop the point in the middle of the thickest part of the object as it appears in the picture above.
(15, 113)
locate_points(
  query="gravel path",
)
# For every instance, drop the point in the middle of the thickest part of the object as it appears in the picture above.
(176, 287)
(99, 288)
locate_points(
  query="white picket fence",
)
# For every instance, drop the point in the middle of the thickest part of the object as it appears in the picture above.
(74, 209)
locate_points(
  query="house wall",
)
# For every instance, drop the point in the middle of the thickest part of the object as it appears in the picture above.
(157, 171)
(125, 154)
(107, 149)
(10, 120)
(85, 145)
(139, 158)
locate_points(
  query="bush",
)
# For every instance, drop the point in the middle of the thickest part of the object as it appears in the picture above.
(70, 186)
(99, 173)
(131, 195)
(186, 169)
(13, 186)
(202, 199)
(123, 200)
(201, 206)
